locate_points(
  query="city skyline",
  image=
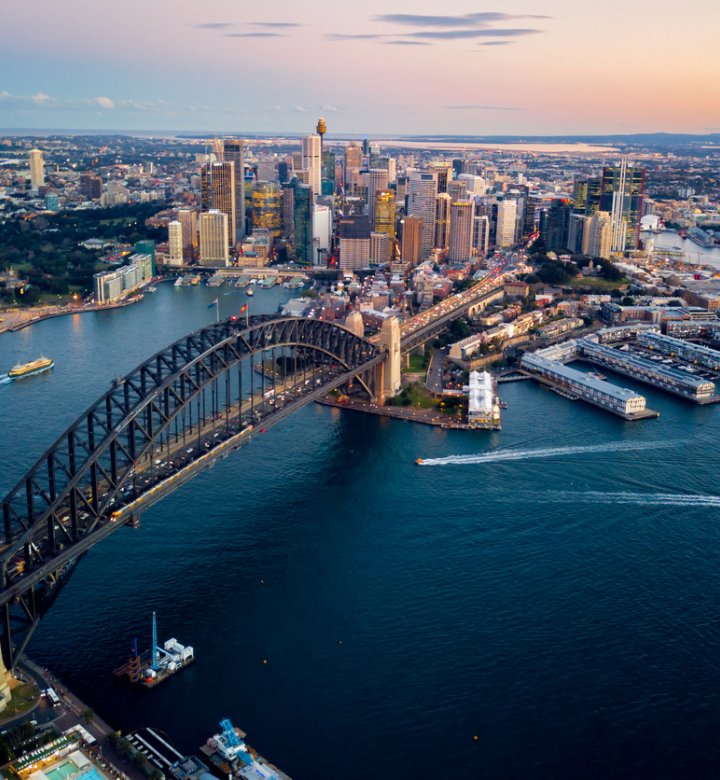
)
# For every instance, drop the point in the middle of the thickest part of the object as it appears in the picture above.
(530, 69)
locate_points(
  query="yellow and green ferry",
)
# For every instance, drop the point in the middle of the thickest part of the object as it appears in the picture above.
(33, 367)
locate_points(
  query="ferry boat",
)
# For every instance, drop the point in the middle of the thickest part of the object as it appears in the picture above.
(267, 282)
(151, 289)
(33, 367)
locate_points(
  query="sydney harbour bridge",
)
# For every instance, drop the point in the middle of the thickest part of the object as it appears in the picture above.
(184, 408)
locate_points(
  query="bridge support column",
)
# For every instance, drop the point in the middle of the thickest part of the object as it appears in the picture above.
(134, 520)
(389, 372)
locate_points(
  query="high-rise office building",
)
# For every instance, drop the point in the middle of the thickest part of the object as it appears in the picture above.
(214, 242)
(175, 243)
(554, 225)
(385, 213)
(457, 189)
(422, 191)
(354, 241)
(506, 225)
(576, 233)
(376, 179)
(90, 186)
(217, 182)
(321, 234)
(442, 220)
(412, 237)
(188, 220)
(379, 248)
(353, 160)
(481, 234)
(598, 238)
(37, 169)
(303, 206)
(267, 207)
(623, 193)
(312, 161)
(460, 245)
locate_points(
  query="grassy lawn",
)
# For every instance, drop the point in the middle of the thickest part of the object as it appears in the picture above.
(23, 697)
(418, 365)
(596, 283)
(414, 396)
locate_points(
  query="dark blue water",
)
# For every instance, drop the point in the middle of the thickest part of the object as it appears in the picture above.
(542, 614)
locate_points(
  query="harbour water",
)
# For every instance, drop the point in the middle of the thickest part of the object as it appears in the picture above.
(537, 602)
(692, 251)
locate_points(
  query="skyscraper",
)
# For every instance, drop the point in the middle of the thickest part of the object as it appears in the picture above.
(321, 230)
(353, 160)
(188, 220)
(175, 243)
(442, 220)
(354, 239)
(412, 236)
(622, 193)
(37, 169)
(554, 225)
(303, 203)
(462, 214)
(214, 244)
(267, 207)
(598, 238)
(375, 179)
(385, 213)
(312, 161)
(217, 182)
(506, 222)
(481, 234)
(422, 190)
(379, 248)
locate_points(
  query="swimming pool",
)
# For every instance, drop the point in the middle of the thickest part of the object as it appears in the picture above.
(61, 771)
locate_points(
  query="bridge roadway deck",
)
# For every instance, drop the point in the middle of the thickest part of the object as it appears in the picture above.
(430, 322)
(183, 469)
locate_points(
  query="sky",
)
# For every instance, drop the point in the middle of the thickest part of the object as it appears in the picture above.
(519, 67)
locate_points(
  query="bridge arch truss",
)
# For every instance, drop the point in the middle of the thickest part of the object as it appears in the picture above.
(201, 394)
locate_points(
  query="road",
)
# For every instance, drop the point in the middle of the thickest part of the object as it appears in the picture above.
(434, 381)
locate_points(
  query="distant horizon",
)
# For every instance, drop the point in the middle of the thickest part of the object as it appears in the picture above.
(342, 136)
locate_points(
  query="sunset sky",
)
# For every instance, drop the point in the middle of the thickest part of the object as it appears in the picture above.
(459, 67)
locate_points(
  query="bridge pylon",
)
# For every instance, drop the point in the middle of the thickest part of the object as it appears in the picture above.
(389, 372)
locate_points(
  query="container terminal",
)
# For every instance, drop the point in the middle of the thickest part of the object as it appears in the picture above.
(150, 668)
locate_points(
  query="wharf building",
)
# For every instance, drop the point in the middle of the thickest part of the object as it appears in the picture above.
(664, 377)
(546, 364)
(483, 403)
(683, 350)
(113, 286)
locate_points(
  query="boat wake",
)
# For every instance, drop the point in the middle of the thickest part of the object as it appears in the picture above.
(622, 497)
(4, 379)
(544, 452)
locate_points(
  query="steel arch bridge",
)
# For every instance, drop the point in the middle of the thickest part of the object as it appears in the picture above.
(174, 415)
